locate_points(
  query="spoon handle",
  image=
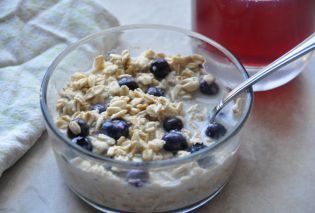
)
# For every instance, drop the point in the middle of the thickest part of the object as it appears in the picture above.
(304, 47)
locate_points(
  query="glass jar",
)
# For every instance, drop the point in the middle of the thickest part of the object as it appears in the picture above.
(258, 32)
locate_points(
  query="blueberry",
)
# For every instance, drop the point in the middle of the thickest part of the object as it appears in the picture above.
(160, 68)
(172, 123)
(196, 147)
(155, 91)
(129, 82)
(84, 129)
(99, 107)
(83, 142)
(215, 130)
(115, 128)
(208, 89)
(174, 141)
(137, 177)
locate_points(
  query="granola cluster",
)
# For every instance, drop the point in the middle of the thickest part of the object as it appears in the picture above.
(143, 113)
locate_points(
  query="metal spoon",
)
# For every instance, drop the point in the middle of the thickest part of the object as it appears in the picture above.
(301, 49)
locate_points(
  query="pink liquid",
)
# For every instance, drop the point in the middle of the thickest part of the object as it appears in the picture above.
(256, 31)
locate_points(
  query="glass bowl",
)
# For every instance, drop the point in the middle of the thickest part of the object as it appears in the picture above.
(179, 184)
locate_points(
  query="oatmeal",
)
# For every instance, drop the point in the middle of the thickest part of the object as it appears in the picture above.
(139, 109)
(152, 107)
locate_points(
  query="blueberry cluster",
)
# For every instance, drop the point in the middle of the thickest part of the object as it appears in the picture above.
(113, 128)
(174, 139)
(159, 68)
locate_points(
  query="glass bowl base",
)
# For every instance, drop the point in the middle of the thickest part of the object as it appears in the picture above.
(181, 210)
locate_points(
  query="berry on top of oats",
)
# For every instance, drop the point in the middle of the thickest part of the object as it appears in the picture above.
(172, 123)
(155, 91)
(115, 128)
(174, 141)
(160, 68)
(129, 82)
(77, 127)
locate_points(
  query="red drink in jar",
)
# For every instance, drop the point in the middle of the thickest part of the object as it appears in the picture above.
(256, 31)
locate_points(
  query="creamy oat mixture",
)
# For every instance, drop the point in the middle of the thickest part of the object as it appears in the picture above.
(152, 107)
(140, 109)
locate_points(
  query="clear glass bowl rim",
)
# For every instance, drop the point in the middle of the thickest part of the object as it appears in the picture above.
(151, 164)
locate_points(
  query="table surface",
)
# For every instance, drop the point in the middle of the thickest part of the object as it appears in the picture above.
(276, 166)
